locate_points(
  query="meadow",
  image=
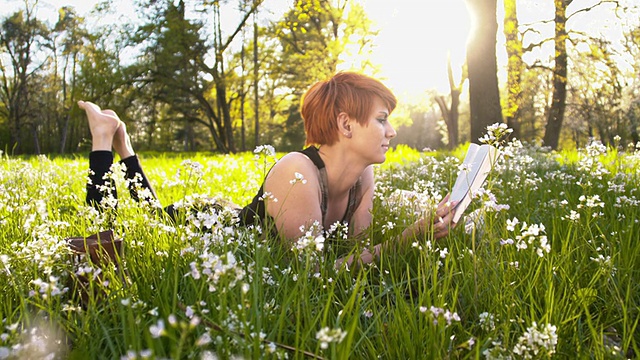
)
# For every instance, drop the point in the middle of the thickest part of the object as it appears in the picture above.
(546, 264)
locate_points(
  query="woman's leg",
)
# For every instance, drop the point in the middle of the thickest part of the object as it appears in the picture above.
(139, 186)
(103, 126)
(108, 131)
(100, 184)
(137, 182)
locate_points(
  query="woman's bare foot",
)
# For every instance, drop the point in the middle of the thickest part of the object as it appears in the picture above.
(103, 125)
(122, 143)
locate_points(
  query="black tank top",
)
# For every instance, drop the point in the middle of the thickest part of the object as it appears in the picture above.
(255, 213)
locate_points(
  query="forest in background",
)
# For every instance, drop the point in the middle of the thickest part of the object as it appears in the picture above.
(183, 83)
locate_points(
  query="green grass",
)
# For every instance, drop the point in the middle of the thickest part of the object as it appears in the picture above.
(565, 285)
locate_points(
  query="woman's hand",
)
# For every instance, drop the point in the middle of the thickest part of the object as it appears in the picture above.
(439, 222)
(367, 256)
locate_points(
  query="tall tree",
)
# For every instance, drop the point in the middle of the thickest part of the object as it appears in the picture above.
(72, 34)
(20, 34)
(482, 67)
(560, 76)
(555, 116)
(256, 69)
(217, 71)
(313, 34)
(515, 66)
(175, 51)
(179, 55)
(450, 113)
(596, 96)
(632, 46)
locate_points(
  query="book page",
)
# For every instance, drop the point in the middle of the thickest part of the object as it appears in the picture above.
(461, 186)
(475, 169)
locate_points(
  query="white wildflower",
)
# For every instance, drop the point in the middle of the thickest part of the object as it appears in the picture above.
(298, 178)
(511, 224)
(536, 342)
(327, 336)
(157, 329)
(203, 340)
(487, 321)
(312, 242)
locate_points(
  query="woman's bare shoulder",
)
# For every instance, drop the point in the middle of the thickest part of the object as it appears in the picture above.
(290, 164)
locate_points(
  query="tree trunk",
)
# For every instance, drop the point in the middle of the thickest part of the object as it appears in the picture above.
(243, 96)
(226, 133)
(555, 116)
(450, 116)
(484, 96)
(453, 125)
(36, 142)
(14, 131)
(223, 105)
(212, 119)
(256, 101)
(514, 66)
(151, 124)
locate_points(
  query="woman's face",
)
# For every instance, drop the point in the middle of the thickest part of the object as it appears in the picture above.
(373, 136)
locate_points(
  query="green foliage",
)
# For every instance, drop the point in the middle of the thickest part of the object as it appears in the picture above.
(546, 261)
(181, 80)
(20, 34)
(312, 35)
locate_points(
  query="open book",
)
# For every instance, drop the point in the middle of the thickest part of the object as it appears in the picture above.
(474, 170)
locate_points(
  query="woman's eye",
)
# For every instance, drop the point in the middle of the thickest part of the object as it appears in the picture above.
(382, 120)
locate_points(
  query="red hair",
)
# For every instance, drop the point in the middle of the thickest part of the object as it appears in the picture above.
(347, 92)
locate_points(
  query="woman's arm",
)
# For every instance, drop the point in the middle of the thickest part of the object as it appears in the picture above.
(440, 222)
(293, 200)
(292, 195)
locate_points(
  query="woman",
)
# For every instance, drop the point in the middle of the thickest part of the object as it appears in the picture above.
(347, 128)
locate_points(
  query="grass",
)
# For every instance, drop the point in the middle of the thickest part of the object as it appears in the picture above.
(545, 266)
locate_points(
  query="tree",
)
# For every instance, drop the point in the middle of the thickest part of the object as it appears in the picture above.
(450, 113)
(555, 116)
(536, 87)
(515, 66)
(180, 58)
(484, 95)
(70, 29)
(217, 71)
(418, 132)
(632, 47)
(312, 36)
(172, 70)
(104, 77)
(256, 69)
(19, 36)
(596, 95)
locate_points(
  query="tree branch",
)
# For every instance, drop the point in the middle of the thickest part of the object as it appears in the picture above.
(538, 65)
(602, 2)
(532, 46)
(241, 25)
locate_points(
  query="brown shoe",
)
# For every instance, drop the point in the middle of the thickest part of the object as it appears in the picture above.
(100, 249)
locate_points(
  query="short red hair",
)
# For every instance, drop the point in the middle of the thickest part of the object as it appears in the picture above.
(347, 92)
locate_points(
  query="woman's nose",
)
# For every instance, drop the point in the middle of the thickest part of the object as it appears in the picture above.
(391, 132)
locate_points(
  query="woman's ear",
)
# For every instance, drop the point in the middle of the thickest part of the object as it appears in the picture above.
(344, 124)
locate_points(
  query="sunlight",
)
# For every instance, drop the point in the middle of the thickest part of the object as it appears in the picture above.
(414, 41)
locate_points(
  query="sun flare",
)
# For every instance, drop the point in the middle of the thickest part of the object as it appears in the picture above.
(414, 41)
